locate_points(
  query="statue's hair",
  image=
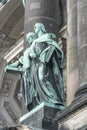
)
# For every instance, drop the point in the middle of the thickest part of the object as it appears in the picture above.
(30, 34)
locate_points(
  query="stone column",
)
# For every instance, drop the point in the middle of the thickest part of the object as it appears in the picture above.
(72, 51)
(82, 46)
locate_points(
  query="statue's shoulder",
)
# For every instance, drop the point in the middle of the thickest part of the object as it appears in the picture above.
(26, 51)
(42, 38)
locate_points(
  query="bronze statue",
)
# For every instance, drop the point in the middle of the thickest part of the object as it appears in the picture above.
(48, 66)
(41, 66)
(23, 66)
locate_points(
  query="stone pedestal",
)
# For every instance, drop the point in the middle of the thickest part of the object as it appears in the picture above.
(41, 117)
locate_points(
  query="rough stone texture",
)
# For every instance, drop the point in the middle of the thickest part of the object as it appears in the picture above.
(82, 46)
(72, 51)
(82, 40)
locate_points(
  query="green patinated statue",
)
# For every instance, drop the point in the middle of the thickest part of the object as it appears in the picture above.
(23, 66)
(41, 68)
(47, 66)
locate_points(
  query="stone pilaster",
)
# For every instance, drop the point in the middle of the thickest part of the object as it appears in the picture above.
(82, 46)
(72, 51)
(74, 115)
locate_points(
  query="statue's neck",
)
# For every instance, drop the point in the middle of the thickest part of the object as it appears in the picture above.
(41, 33)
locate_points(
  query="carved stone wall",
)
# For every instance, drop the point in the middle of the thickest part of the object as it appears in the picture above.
(10, 106)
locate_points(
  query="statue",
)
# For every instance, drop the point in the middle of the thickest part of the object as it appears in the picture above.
(48, 65)
(23, 66)
(41, 67)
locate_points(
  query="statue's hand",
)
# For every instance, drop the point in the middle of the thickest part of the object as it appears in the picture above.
(33, 55)
(7, 68)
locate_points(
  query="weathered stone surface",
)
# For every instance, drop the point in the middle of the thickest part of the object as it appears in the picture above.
(76, 47)
(82, 40)
(72, 51)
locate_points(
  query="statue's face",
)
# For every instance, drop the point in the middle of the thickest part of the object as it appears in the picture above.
(30, 37)
(30, 40)
(38, 27)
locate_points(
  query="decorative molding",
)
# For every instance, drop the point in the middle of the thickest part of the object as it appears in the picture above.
(10, 112)
(5, 87)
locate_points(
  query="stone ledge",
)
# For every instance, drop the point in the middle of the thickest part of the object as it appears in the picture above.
(74, 117)
(80, 102)
(41, 117)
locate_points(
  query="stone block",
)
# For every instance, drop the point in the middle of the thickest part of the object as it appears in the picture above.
(41, 117)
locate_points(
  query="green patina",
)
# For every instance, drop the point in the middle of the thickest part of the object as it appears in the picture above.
(41, 68)
(3, 1)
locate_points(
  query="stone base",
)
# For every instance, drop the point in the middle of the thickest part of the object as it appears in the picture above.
(74, 117)
(41, 117)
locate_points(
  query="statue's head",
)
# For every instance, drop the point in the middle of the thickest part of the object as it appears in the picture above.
(30, 37)
(39, 27)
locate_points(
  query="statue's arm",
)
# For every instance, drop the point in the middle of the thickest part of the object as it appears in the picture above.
(14, 67)
(31, 51)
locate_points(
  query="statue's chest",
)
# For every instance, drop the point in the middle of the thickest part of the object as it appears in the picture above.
(39, 47)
